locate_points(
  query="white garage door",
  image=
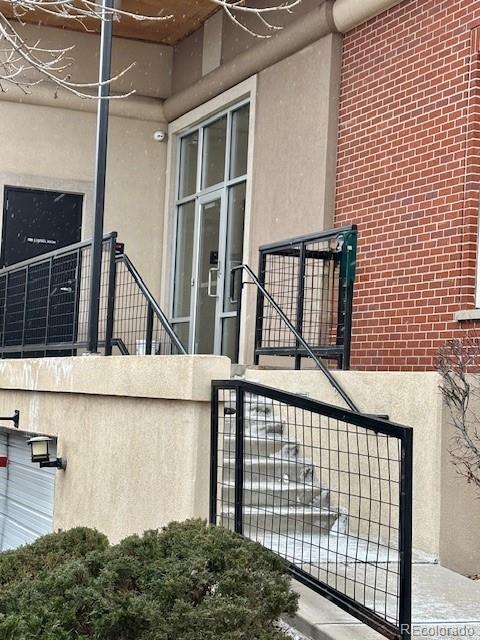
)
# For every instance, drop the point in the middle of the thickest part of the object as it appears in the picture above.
(26, 493)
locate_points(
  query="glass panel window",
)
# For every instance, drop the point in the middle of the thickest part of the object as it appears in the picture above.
(239, 147)
(214, 144)
(183, 260)
(188, 165)
(234, 254)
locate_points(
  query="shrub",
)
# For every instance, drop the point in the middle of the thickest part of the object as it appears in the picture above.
(47, 553)
(187, 582)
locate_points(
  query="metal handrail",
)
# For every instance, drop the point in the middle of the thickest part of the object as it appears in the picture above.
(310, 237)
(157, 310)
(330, 377)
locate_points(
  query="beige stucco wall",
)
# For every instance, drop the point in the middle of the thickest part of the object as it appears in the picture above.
(52, 144)
(460, 505)
(54, 148)
(136, 441)
(295, 143)
(446, 512)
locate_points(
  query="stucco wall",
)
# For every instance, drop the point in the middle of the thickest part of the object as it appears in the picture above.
(446, 513)
(136, 442)
(295, 144)
(54, 148)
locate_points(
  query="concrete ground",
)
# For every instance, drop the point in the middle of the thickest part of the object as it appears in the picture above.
(445, 604)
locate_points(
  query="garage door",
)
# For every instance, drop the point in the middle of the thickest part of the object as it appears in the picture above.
(26, 493)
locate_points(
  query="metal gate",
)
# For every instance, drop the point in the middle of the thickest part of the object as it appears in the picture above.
(26, 493)
(327, 489)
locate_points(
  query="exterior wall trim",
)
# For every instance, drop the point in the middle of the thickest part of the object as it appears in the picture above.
(46, 95)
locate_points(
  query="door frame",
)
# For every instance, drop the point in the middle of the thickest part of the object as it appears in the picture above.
(244, 91)
(207, 198)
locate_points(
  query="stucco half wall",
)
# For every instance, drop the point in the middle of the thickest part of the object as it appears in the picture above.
(446, 510)
(135, 432)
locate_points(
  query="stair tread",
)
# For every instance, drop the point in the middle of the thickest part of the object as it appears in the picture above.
(280, 510)
(251, 460)
(275, 485)
(261, 438)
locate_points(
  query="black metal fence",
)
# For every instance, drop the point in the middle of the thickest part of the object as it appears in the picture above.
(311, 279)
(327, 489)
(44, 306)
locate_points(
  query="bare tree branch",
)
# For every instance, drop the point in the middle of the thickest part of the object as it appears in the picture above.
(458, 362)
(25, 64)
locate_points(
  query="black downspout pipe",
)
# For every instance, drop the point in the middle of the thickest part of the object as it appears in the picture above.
(100, 175)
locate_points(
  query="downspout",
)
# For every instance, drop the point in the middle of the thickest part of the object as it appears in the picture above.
(348, 14)
(303, 32)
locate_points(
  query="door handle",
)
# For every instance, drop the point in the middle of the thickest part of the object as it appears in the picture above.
(210, 282)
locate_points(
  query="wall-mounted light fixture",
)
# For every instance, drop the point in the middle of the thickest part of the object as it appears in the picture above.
(40, 449)
(15, 418)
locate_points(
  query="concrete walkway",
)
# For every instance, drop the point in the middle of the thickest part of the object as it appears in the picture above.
(445, 604)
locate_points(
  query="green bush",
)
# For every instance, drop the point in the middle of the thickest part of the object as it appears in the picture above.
(47, 553)
(187, 582)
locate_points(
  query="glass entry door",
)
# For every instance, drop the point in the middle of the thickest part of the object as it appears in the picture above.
(209, 230)
(208, 285)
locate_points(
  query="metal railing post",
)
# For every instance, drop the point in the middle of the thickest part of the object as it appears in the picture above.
(259, 307)
(405, 535)
(300, 301)
(239, 447)
(149, 331)
(214, 456)
(112, 285)
(101, 170)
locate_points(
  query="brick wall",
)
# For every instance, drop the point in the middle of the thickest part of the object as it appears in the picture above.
(409, 176)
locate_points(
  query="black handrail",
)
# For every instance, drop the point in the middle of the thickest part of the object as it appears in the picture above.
(330, 377)
(157, 310)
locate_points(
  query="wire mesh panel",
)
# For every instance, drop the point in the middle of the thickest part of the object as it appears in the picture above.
(311, 280)
(44, 302)
(326, 489)
(139, 326)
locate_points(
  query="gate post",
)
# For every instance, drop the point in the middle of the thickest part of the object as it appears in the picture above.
(239, 446)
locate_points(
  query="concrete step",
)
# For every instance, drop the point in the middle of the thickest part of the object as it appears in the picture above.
(269, 493)
(255, 425)
(256, 445)
(263, 468)
(291, 520)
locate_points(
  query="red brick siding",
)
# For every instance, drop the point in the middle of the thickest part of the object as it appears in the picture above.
(409, 176)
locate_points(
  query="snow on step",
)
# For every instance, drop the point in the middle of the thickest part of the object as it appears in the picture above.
(297, 520)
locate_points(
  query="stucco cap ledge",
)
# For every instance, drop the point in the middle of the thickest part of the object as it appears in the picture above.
(160, 377)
